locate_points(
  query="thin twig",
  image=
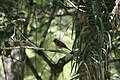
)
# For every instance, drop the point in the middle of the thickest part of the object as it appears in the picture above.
(25, 37)
(75, 6)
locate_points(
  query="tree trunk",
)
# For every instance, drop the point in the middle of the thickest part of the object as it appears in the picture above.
(14, 65)
(9, 75)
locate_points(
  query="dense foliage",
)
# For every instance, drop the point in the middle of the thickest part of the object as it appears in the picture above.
(88, 27)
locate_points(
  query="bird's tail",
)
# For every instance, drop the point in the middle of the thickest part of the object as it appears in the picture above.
(68, 49)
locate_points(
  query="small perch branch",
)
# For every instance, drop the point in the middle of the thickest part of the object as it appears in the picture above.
(34, 48)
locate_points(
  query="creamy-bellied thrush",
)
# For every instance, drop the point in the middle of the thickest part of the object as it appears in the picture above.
(60, 44)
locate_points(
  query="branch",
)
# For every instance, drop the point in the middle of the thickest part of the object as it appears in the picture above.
(29, 64)
(75, 6)
(56, 69)
(40, 52)
(34, 48)
(63, 61)
(47, 26)
(44, 57)
(46, 30)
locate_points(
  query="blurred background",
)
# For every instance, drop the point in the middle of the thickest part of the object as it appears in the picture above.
(91, 29)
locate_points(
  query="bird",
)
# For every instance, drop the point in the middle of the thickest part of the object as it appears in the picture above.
(60, 44)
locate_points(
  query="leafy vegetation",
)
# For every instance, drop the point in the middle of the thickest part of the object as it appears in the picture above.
(89, 28)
